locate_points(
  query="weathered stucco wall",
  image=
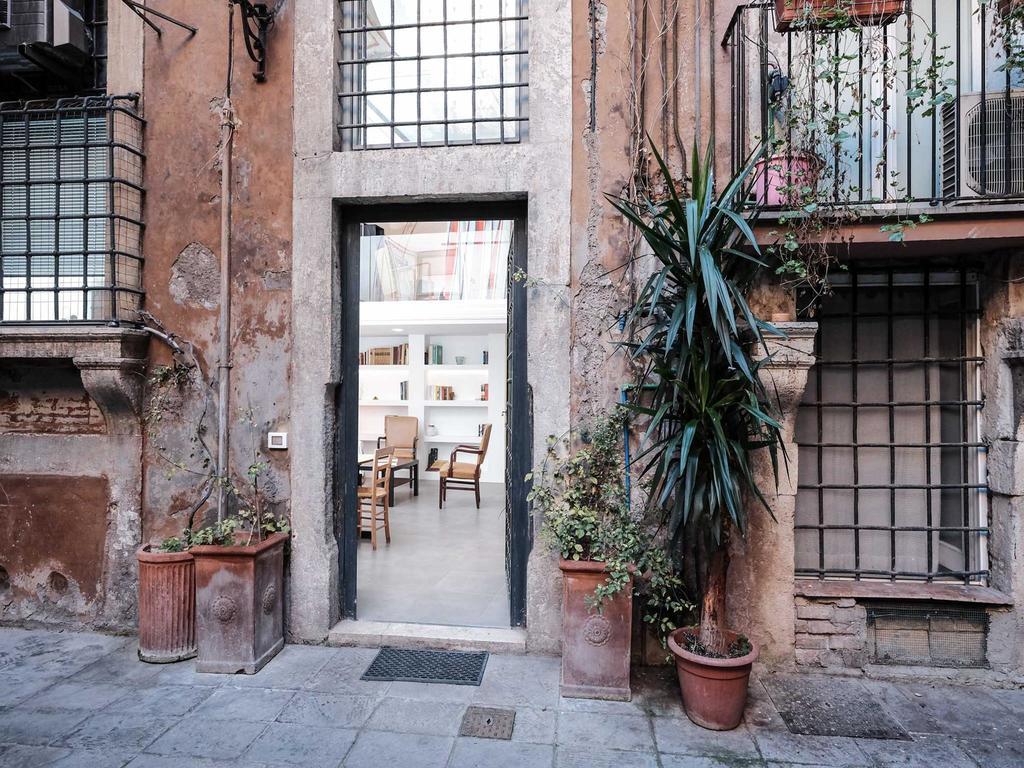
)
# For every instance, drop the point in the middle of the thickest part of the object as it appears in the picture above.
(185, 80)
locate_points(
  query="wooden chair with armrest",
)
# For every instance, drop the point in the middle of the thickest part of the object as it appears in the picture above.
(372, 497)
(463, 475)
(401, 433)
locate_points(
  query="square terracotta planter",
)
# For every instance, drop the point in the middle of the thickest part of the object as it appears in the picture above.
(595, 645)
(866, 12)
(239, 605)
(167, 606)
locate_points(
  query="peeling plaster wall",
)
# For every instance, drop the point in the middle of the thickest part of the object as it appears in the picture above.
(184, 88)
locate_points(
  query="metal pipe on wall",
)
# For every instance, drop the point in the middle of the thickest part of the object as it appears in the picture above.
(227, 127)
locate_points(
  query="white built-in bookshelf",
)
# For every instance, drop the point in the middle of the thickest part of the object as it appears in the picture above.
(453, 362)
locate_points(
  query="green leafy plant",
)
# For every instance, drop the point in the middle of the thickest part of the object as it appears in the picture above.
(698, 388)
(580, 491)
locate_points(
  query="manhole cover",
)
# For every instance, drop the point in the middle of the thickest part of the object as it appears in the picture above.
(423, 666)
(488, 723)
(818, 706)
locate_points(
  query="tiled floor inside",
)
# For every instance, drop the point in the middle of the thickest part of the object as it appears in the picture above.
(84, 700)
(443, 566)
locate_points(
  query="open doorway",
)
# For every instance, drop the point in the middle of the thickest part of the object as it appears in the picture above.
(434, 528)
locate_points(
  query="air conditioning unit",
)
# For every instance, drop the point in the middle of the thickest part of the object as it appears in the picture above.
(983, 145)
(45, 37)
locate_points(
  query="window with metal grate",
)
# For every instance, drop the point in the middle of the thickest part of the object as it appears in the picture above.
(70, 210)
(433, 72)
(891, 466)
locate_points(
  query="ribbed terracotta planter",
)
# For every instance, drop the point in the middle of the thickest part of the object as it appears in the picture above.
(714, 690)
(239, 605)
(866, 12)
(595, 646)
(167, 606)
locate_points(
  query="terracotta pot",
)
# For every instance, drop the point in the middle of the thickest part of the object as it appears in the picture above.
(714, 690)
(167, 606)
(595, 646)
(775, 178)
(240, 605)
(865, 12)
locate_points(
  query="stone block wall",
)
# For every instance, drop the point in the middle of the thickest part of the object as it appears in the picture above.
(830, 632)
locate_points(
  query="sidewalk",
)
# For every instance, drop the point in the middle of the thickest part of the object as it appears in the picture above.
(76, 699)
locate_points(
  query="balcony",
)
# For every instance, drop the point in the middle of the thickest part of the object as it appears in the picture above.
(925, 111)
(70, 210)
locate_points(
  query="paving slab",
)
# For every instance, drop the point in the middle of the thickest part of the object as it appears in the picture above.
(246, 704)
(199, 736)
(488, 753)
(121, 730)
(922, 752)
(291, 744)
(77, 696)
(597, 757)
(165, 700)
(22, 756)
(336, 710)
(414, 716)
(611, 731)
(678, 735)
(994, 754)
(796, 749)
(380, 749)
(32, 727)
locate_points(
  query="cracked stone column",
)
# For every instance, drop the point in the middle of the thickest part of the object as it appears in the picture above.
(761, 574)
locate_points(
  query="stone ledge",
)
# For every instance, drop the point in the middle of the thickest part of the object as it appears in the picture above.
(888, 590)
(376, 634)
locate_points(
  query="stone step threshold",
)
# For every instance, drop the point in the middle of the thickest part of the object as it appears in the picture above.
(376, 634)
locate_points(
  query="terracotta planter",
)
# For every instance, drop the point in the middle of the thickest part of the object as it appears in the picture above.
(240, 606)
(866, 12)
(595, 646)
(167, 606)
(777, 179)
(714, 690)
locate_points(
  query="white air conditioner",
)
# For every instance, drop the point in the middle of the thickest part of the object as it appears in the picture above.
(983, 145)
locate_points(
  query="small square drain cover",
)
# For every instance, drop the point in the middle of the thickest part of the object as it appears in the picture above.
(488, 723)
(428, 666)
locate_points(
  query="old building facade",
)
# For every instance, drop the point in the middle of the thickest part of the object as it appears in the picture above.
(896, 530)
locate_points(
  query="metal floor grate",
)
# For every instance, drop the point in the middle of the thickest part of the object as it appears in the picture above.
(488, 723)
(425, 666)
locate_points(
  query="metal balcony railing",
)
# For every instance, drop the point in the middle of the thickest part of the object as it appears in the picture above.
(928, 109)
(70, 210)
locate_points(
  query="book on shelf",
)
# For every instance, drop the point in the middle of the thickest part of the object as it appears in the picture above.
(485, 357)
(442, 392)
(433, 355)
(403, 390)
(484, 392)
(398, 355)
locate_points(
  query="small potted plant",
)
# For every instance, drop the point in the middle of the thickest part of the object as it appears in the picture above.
(240, 579)
(818, 14)
(607, 556)
(707, 407)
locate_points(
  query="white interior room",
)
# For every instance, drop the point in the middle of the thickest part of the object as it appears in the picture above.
(433, 316)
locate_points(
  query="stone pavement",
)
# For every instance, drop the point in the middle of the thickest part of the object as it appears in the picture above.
(76, 699)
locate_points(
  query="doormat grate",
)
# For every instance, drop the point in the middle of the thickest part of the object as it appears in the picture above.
(824, 706)
(488, 723)
(424, 666)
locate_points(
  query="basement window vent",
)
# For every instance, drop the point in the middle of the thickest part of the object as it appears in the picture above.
(929, 635)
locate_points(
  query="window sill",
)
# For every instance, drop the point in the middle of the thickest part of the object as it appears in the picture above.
(902, 590)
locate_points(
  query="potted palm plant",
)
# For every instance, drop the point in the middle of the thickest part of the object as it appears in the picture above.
(606, 556)
(707, 408)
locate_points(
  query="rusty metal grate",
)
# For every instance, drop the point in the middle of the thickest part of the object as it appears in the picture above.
(427, 666)
(930, 635)
(488, 723)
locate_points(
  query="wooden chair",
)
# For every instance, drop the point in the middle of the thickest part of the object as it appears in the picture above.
(463, 475)
(401, 433)
(373, 496)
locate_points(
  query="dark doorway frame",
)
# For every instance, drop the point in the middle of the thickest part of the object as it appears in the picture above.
(518, 421)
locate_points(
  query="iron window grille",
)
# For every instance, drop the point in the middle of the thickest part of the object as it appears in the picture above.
(70, 210)
(417, 73)
(891, 466)
(890, 147)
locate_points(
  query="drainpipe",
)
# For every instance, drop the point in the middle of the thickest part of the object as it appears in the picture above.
(227, 128)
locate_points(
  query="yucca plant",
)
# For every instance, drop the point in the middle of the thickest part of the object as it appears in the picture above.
(706, 409)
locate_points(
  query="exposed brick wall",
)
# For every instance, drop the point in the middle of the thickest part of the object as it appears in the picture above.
(830, 632)
(47, 398)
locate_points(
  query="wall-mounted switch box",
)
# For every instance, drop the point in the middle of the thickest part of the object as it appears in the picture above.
(277, 441)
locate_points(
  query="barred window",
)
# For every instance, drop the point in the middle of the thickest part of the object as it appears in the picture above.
(70, 210)
(433, 72)
(891, 473)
